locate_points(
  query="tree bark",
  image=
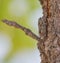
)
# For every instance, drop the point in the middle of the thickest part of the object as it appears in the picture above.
(49, 31)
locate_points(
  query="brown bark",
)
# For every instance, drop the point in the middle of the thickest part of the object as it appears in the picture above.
(49, 31)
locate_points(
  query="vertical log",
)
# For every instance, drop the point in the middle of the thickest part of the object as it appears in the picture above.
(49, 30)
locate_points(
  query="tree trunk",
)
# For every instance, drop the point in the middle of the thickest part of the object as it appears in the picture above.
(49, 30)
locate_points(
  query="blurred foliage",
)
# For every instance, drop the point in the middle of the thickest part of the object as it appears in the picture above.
(19, 39)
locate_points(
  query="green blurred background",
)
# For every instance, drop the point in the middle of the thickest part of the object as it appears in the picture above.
(24, 12)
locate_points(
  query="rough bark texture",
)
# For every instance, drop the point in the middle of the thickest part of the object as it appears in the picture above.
(49, 30)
